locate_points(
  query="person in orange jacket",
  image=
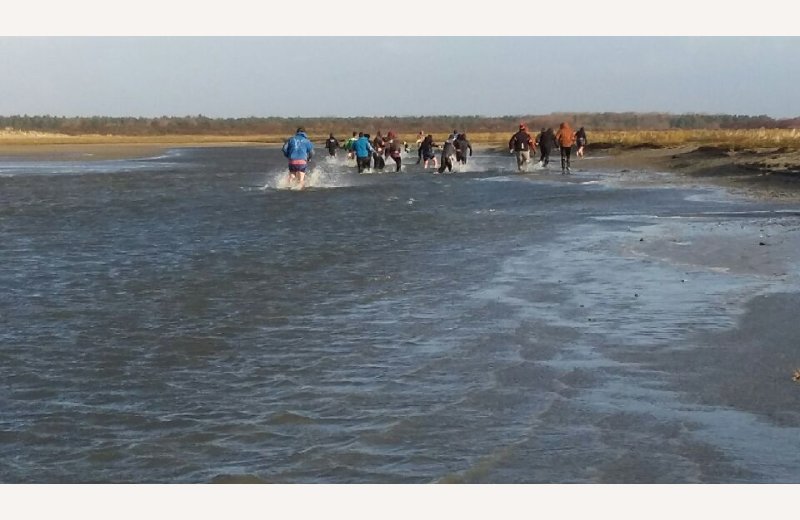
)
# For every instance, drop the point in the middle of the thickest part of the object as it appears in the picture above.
(565, 138)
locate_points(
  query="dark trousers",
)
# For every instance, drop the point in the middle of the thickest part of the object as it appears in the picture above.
(447, 162)
(397, 161)
(461, 157)
(380, 163)
(362, 163)
(566, 151)
(545, 155)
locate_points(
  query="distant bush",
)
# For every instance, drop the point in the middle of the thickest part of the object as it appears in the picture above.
(343, 127)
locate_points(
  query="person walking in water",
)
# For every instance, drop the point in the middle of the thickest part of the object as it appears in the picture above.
(538, 142)
(580, 141)
(378, 145)
(420, 138)
(299, 150)
(348, 145)
(565, 138)
(520, 145)
(363, 151)
(332, 145)
(448, 156)
(394, 148)
(546, 140)
(426, 151)
(462, 144)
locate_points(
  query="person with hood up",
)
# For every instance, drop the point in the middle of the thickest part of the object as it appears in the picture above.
(332, 144)
(363, 151)
(299, 150)
(462, 144)
(565, 138)
(521, 145)
(448, 156)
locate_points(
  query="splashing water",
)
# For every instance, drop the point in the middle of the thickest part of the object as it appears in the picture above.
(329, 172)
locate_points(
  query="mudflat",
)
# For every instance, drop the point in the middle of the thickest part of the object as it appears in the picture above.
(761, 172)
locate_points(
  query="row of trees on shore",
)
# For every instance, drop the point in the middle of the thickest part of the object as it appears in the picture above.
(202, 125)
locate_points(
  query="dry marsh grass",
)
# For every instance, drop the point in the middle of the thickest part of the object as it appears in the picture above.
(732, 139)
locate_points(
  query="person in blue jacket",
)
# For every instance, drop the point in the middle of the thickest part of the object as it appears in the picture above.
(364, 150)
(299, 150)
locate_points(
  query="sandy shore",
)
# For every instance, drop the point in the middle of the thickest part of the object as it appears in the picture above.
(98, 151)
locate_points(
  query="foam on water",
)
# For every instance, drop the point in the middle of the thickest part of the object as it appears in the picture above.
(330, 172)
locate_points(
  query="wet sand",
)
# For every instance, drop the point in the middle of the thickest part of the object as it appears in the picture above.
(749, 367)
(763, 173)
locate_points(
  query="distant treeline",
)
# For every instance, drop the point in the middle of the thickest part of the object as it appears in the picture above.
(202, 125)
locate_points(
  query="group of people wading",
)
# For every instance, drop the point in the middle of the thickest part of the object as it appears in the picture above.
(522, 145)
(453, 151)
(372, 153)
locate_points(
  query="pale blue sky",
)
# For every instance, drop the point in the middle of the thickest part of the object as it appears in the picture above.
(237, 76)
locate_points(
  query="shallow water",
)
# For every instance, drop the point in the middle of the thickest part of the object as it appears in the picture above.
(183, 319)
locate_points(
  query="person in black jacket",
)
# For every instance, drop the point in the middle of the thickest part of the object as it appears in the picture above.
(462, 144)
(426, 151)
(546, 140)
(521, 145)
(332, 145)
(580, 141)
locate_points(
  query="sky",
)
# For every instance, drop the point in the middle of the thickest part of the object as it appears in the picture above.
(311, 60)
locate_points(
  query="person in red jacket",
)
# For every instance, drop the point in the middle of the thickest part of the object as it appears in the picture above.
(565, 138)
